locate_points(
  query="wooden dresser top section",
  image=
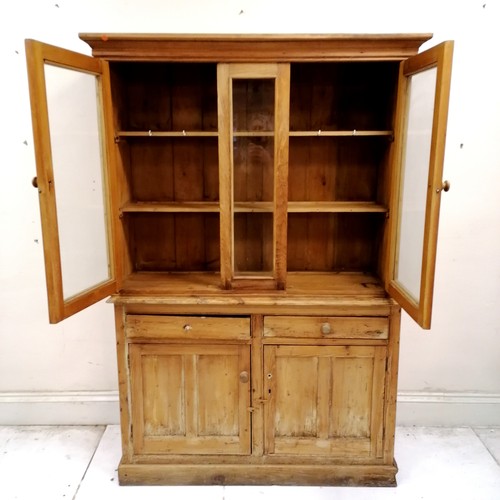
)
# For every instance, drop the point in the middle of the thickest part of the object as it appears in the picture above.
(253, 48)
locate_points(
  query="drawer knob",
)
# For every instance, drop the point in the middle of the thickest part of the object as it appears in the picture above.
(187, 328)
(326, 328)
(244, 377)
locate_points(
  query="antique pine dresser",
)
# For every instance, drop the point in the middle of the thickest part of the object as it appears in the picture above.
(258, 208)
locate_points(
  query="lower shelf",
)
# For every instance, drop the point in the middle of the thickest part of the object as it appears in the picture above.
(209, 283)
(252, 474)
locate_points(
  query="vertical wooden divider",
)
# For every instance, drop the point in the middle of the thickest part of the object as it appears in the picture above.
(137, 409)
(123, 377)
(225, 174)
(257, 371)
(391, 384)
(189, 363)
(111, 178)
(270, 397)
(325, 390)
(45, 177)
(245, 399)
(378, 393)
(282, 120)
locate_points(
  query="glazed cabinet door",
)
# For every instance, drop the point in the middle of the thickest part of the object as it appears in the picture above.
(424, 87)
(190, 399)
(66, 90)
(253, 104)
(324, 400)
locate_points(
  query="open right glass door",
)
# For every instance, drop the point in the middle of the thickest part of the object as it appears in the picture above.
(424, 88)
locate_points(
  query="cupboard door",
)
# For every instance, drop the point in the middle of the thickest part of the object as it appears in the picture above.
(324, 400)
(424, 92)
(190, 399)
(253, 153)
(66, 92)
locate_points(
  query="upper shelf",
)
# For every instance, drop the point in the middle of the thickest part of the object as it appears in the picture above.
(341, 133)
(295, 133)
(176, 133)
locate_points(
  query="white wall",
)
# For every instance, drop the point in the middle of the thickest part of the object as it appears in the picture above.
(67, 372)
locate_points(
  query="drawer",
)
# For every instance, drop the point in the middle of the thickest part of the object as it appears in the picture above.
(186, 327)
(326, 327)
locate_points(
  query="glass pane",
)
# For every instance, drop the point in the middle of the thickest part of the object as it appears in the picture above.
(253, 105)
(253, 175)
(253, 243)
(253, 190)
(253, 169)
(415, 171)
(78, 177)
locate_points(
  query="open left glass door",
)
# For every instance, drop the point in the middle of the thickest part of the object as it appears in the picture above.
(424, 87)
(66, 93)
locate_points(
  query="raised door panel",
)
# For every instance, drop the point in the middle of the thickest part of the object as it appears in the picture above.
(324, 400)
(190, 399)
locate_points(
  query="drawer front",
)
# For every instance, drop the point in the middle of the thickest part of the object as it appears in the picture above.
(326, 327)
(186, 327)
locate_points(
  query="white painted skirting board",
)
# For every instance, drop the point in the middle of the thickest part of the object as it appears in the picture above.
(59, 408)
(101, 407)
(448, 408)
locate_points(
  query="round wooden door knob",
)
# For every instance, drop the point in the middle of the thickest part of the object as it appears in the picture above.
(326, 328)
(244, 378)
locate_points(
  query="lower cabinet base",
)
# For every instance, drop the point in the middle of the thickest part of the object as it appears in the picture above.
(257, 399)
(239, 474)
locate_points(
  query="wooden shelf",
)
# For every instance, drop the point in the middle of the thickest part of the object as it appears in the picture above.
(319, 133)
(254, 133)
(299, 284)
(342, 133)
(171, 207)
(335, 207)
(255, 207)
(157, 133)
(195, 206)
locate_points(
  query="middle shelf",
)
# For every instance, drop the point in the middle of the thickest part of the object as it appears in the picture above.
(255, 206)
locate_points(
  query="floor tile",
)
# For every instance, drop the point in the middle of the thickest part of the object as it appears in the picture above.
(445, 463)
(44, 463)
(433, 464)
(47, 463)
(101, 480)
(491, 439)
